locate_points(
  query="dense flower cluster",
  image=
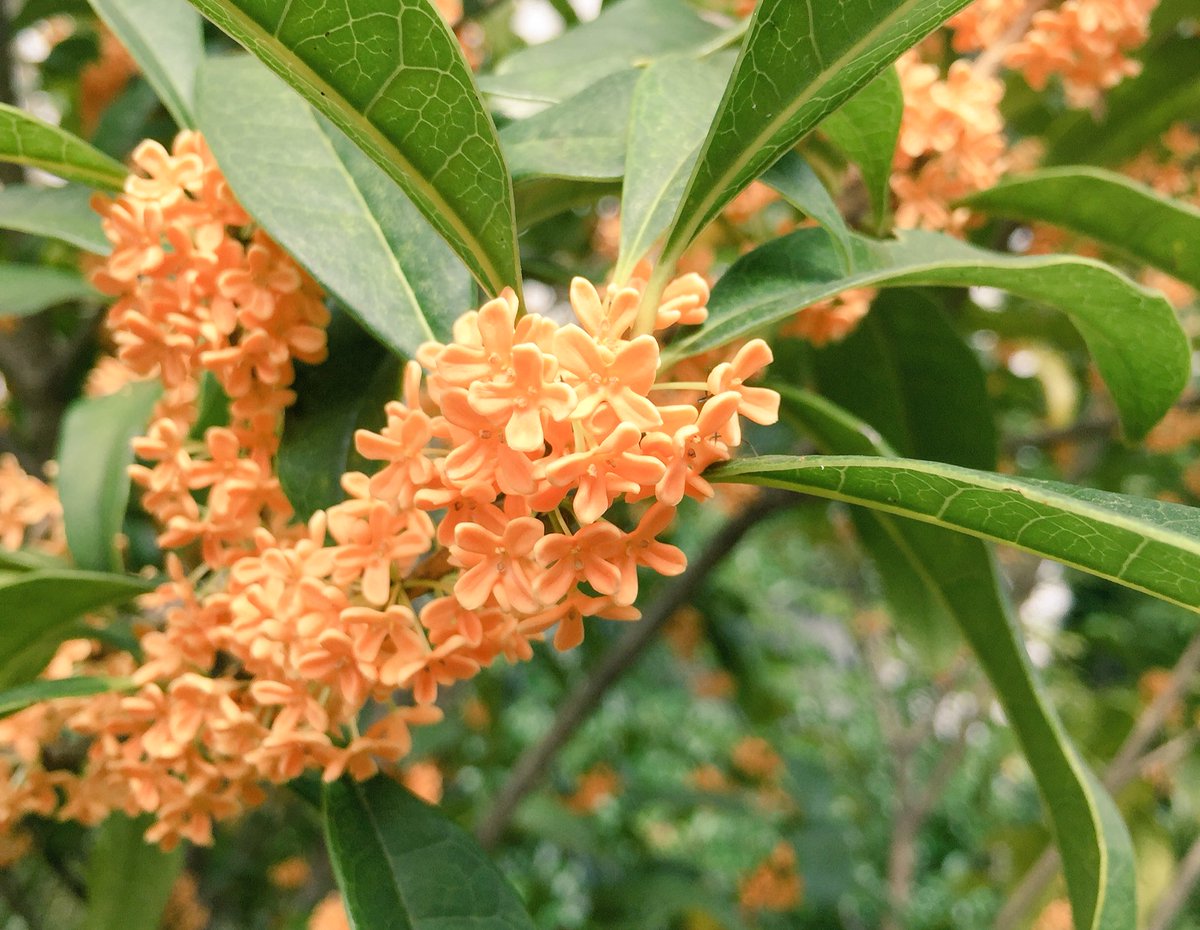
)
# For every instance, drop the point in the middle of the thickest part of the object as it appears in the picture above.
(30, 514)
(488, 522)
(1082, 42)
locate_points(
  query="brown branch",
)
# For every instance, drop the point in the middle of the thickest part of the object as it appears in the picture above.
(1181, 889)
(1123, 769)
(534, 764)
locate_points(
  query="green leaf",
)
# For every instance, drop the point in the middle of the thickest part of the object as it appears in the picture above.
(1132, 333)
(17, 699)
(28, 289)
(40, 609)
(357, 379)
(57, 212)
(329, 205)
(799, 185)
(1107, 207)
(624, 35)
(165, 39)
(27, 140)
(673, 107)
(128, 880)
(866, 128)
(401, 865)
(582, 137)
(26, 560)
(33, 10)
(95, 451)
(540, 199)
(955, 576)
(390, 74)
(1147, 545)
(799, 63)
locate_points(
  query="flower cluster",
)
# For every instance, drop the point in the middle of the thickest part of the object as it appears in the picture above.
(30, 514)
(491, 516)
(951, 142)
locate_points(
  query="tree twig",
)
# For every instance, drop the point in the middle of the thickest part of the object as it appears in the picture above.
(1123, 769)
(534, 764)
(1181, 889)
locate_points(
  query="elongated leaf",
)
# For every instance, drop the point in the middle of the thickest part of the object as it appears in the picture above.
(357, 379)
(401, 865)
(26, 289)
(165, 39)
(57, 212)
(955, 575)
(625, 34)
(1146, 545)
(332, 207)
(866, 129)
(539, 199)
(799, 63)
(390, 75)
(582, 137)
(26, 560)
(128, 880)
(27, 140)
(94, 454)
(22, 696)
(799, 185)
(673, 107)
(40, 609)
(1131, 332)
(1107, 207)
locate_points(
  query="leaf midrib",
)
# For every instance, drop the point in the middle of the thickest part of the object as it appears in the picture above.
(270, 49)
(717, 190)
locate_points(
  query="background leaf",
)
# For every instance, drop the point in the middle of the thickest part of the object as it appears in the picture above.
(799, 63)
(128, 880)
(673, 107)
(401, 865)
(404, 96)
(329, 205)
(955, 575)
(41, 609)
(582, 137)
(866, 128)
(1107, 207)
(22, 696)
(94, 454)
(1132, 332)
(26, 289)
(56, 212)
(1147, 545)
(165, 39)
(27, 140)
(798, 184)
(625, 34)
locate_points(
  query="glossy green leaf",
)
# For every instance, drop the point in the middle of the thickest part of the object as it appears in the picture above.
(955, 576)
(866, 128)
(798, 184)
(582, 137)
(1107, 207)
(17, 699)
(94, 454)
(27, 560)
(1132, 332)
(40, 610)
(329, 205)
(128, 880)
(540, 199)
(626, 34)
(799, 63)
(165, 39)
(56, 212)
(673, 107)
(401, 865)
(1147, 545)
(27, 140)
(390, 74)
(357, 379)
(26, 289)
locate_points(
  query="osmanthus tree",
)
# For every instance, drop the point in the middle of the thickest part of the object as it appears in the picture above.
(371, 470)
